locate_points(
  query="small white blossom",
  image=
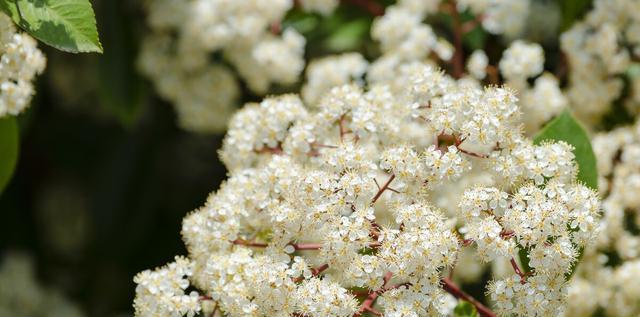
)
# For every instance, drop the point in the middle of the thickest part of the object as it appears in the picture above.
(20, 62)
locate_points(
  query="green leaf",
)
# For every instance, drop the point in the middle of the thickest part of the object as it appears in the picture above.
(349, 36)
(566, 128)
(524, 260)
(572, 10)
(633, 71)
(475, 39)
(121, 89)
(68, 25)
(8, 149)
(465, 309)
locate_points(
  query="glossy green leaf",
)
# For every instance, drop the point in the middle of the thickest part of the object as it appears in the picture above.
(465, 309)
(566, 128)
(68, 25)
(8, 149)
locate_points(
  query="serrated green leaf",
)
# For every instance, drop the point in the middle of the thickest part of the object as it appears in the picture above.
(8, 149)
(465, 309)
(566, 128)
(68, 25)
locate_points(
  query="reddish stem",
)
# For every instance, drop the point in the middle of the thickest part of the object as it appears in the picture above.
(249, 243)
(275, 28)
(493, 74)
(458, 142)
(471, 153)
(506, 234)
(373, 311)
(314, 272)
(454, 290)
(458, 31)
(370, 6)
(382, 189)
(270, 150)
(516, 268)
(296, 246)
(307, 246)
(396, 286)
(341, 126)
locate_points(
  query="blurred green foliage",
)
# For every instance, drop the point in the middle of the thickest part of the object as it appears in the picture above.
(8, 149)
(465, 309)
(572, 10)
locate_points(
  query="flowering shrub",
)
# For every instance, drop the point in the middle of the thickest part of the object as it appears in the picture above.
(386, 182)
(407, 158)
(329, 209)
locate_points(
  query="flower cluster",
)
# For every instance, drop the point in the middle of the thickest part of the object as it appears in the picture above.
(333, 209)
(20, 62)
(539, 103)
(405, 38)
(328, 72)
(162, 292)
(177, 55)
(599, 48)
(614, 261)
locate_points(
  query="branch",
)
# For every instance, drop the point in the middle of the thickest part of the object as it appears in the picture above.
(516, 268)
(458, 31)
(249, 243)
(314, 272)
(458, 142)
(307, 246)
(367, 305)
(270, 150)
(370, 6)
(382, 189)
(296, 246)
(454, 290)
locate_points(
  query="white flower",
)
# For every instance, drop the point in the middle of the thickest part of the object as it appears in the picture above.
(477, 64)
(20, 62)
(162, 292)
(521, 61)
(245, 38)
